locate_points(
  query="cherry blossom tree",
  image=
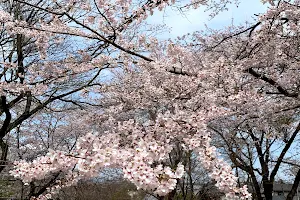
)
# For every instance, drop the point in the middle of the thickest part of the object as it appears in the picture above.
(162, 94)
(38, 134)
(261, 138)
(263, 157)
(141, 145)
(20, 57)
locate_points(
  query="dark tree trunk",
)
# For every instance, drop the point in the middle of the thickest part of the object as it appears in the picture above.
(294, 187)
(268, 189)
(3, 131)
(4, 150)
(171, 195)
(256, 187)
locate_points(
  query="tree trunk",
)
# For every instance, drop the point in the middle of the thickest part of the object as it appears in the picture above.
(4, 150)
(294, 187)
(268, 189)
(256, 186)
(171, 195)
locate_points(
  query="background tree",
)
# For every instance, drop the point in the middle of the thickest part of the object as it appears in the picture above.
(19, 56)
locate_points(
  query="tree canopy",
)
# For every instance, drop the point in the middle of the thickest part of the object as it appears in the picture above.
(86, 85)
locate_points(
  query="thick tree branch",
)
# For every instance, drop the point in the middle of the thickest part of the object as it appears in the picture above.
(283, 152)
(35, 191)
(5, 125)
(281, 89)
(294, 189)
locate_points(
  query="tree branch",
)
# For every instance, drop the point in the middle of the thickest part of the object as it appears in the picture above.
(281, 89)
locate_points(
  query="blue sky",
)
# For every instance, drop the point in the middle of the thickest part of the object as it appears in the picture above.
(196, 19)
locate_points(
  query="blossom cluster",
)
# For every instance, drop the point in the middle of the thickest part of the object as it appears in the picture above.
(141, 151)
